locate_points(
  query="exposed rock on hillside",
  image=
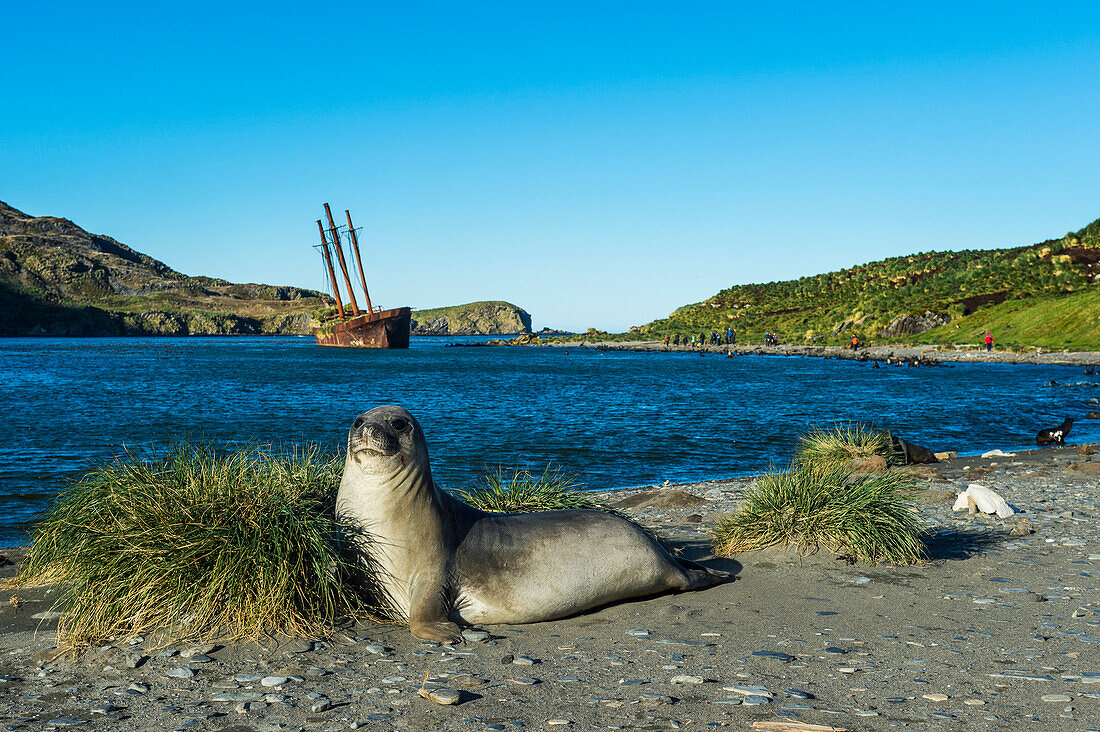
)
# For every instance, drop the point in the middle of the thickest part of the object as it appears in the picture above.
(904, 325)
(475, 318)
(57, 279)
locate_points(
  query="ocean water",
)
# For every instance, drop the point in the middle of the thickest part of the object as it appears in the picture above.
(609, 419)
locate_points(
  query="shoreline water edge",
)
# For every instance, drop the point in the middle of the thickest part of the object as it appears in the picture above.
(916, 355)
(998, 629)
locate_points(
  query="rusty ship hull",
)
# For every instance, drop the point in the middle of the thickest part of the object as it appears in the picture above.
(380, 329)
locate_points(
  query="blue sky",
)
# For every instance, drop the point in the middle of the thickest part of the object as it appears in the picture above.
(598, 164)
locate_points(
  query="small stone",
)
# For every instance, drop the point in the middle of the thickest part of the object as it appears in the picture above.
(638, 632)
(973, 702)
(201, 658)
(393, 679)
(134, 660)
(67, 722)
(936, 697)
(470, 681)
(103, 709)
(47, 615)
(138, 688)
(475, 636)
(321, 705)
(558, 722)
(749, 690)
(1056, 698)
(1090, 677)
(317, 671)
(247, 678)
(655, 699)
(301, 646)
(375, 648)
(181, 672)
(523, 661)
(273, 680)
(250, 706)
(524, 680)
(197, 651)
(236, 696)
(774, 655)
(727, 702)
(799, 694)
(755, 699)
(441, 695)
(682, 679)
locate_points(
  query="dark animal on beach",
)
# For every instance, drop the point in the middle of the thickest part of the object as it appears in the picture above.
(1054, 435)
(442, 562)
(911, 453)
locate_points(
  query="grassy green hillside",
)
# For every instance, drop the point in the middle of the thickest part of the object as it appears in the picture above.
(1045, 294)
(1067, 322)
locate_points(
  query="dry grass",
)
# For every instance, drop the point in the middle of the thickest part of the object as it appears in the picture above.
(197, 544)
(841, 445)
(866, 517)
(511, 491)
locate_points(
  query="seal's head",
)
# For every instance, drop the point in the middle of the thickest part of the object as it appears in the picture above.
(387, 440)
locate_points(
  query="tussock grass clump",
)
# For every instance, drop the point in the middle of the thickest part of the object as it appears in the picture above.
(197, 543)
(865, 517)
(842, 445)
(513, 491)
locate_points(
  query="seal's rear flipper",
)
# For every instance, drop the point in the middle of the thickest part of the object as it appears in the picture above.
(699, 576)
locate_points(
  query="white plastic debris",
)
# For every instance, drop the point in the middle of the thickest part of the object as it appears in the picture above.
(998, 453)
(979, 498)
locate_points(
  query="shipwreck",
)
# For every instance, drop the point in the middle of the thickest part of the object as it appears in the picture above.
(353, 327)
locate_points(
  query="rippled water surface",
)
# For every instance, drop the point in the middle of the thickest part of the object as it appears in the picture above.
(610, 419)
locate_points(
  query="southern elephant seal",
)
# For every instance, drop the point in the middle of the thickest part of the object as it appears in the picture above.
(442, 562)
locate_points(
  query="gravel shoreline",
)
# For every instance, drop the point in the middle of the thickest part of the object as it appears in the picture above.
(999, 630)
(917, 355)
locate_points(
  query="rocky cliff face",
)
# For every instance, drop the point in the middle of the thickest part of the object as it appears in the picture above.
(475, 318)
(57, 279)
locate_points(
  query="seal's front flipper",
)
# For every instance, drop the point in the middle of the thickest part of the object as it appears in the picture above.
(440, 631)
(428, 619)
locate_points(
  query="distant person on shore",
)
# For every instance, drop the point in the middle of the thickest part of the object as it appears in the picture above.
(666, 341)
(855, 342)
(988, 340)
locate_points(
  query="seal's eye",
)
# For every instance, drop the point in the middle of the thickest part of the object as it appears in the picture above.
(399, 425)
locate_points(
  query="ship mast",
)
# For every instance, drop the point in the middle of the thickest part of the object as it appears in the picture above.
(340, 256)
(331, 272)
(358, 261)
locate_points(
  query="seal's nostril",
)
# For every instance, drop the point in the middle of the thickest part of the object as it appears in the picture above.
(359, 422)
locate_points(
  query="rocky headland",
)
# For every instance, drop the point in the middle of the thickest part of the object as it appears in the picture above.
(58, 279)
(475, 318)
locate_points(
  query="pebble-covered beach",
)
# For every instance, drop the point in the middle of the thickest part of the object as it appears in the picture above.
(999, 630)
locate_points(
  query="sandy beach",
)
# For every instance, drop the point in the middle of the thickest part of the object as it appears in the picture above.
(999, 630)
